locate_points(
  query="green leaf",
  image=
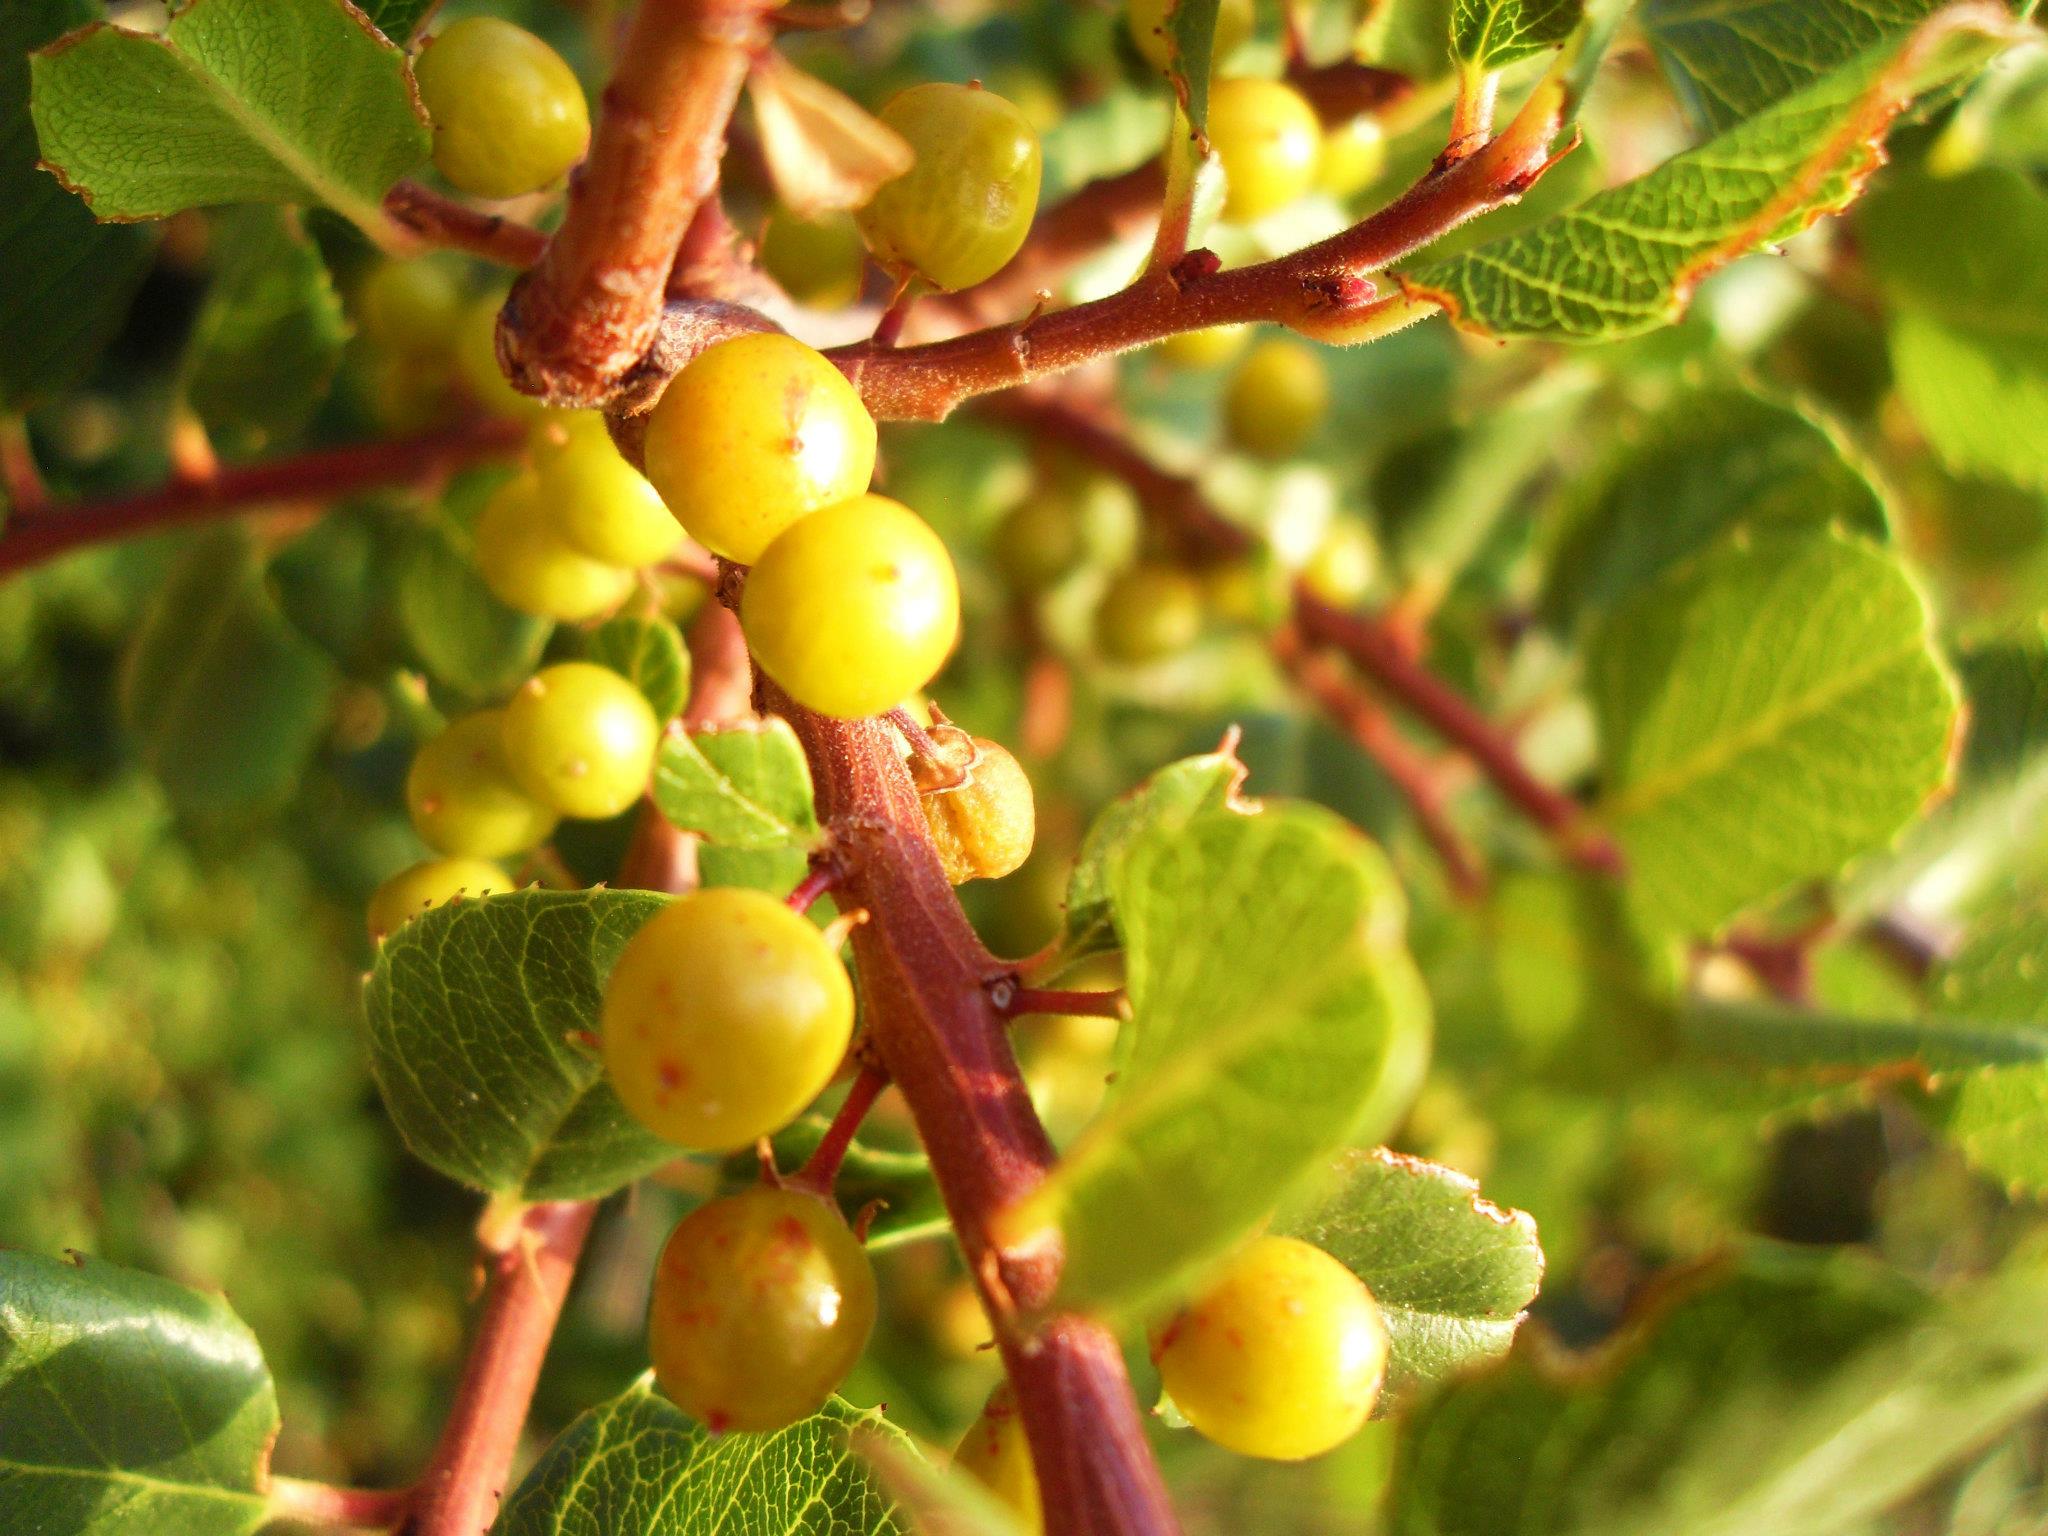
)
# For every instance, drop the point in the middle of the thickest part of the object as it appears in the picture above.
(1798, 1396)
(1492, 34)
(744, 785)
(1172, 797)
(1627, 261)
(268, 338)
(649, 654)
(70, 279)
(226, 701)
(1767, 711)
(465, 638)
(1960, 259)
(1191, 49)
(335, 582)
(1275, 1014)
(239, 101)
(1998, 1115)
(397, 19)
(129, 1406)
(1818, 1040)
(476, 1015)
(1713, 460)
(1730, 59)
(1451, 1270)
(637, 1465)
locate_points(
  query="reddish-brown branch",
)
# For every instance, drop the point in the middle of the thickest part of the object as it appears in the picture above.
(362, 1509)
(441, 221)
(924, 980)
(526, 1284)
(821, 1168)
(579, 322)
(818, 879)
(326, 476)
(1177, 505)
(20, 479)
(1321, 289)
(1406, 769)
(721, 676)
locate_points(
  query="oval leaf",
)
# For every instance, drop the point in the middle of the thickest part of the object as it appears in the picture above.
(649, 654)
(741, 786)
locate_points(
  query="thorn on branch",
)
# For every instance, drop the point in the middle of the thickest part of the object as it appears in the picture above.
(1014, 1000)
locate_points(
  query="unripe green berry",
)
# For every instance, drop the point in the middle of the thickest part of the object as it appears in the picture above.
(476, 363)
(817, 261)
(411, 308)
(963, 208)
(581, 739)
(509, 115)
(463, 797)
(763, 1302)
(1148, 612)
(433, 883)
(1038, 541)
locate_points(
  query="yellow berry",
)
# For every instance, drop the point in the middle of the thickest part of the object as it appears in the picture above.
(1344, 565)
(817, 261)
(509, 115)
(1277, 398)
(581, 739)
(1211, 347)
(432, 883)
(853, 607)
(1354, 154)
(755, 433)
(1148, 612)
(476, 362)
(463, 797)
(1269, 139)
(1281, 1357)
(411, 308)
(603, 506)
(528, 566)
(723, 1019)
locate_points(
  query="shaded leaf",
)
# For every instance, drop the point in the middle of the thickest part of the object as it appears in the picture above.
(1627, 260)
(1275, 1013)
(1713, 460)
(1767, 711)
(268, 338)
(744, 785)
(637, 1464)
(1191, 57)
(1492, 34)
(129, 1406)
(335, 583)
(1797, 1396)
(649, 654)
(226, 701)
(397, 19)
(463, 636)
(69, 279)
(1960, 259)
(239, 101)
(1998, 1115)
(1451, 1270)
(476, 1012)
(1730, 59)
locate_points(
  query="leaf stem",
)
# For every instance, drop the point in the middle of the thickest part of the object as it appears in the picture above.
(821, 1168)
(29, 539)
(367, 1509)
(441, 221)
(822, 875)
(1014, 1001)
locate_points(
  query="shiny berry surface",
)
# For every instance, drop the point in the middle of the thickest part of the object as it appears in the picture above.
(724, 1017)
(1148, 612)
(1281, 1357)
(1353, 157)
(509, 115)
(432, 883)
(1146, 22)
(853, 608)
(1270, 142)
(463, 797)
(763, 1302)
(603, 506)
(581, 739)
(529, 566)
(1276, 399)
(755, 433)
(960, 212)
(983, 826)
(995, 1454)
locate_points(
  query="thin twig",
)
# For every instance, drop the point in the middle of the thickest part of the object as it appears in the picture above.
(1406, 769)
(822, 875)
(1015, 1001)
(326, 477)
(441, 221)
(821, 1169)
